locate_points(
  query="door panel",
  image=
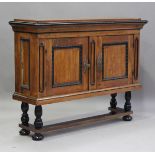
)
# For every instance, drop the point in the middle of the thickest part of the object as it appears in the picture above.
(65, 66)
(114, 68)
(115, 61)
(69, 72)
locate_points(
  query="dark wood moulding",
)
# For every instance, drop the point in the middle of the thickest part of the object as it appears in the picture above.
(47, 26)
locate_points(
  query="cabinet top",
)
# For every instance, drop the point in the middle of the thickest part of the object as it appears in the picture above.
(77, 21)
(41, 26)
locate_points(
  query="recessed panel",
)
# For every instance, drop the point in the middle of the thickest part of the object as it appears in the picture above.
(25, 63)
(115, 61)
(67, 69)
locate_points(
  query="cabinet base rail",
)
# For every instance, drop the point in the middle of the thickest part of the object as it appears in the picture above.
(114, 114)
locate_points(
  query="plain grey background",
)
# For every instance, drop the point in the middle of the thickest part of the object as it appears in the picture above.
(137, 135)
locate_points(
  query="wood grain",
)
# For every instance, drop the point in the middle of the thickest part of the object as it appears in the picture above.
(114, 61)
(66, 65)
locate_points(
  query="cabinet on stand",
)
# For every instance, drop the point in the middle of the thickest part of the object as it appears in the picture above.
(62, 60)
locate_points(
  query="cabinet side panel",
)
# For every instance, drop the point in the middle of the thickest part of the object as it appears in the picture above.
(26, 61)
(17, 63)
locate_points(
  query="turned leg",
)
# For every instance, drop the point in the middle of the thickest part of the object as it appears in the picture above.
(113, 102)
(24, 118)
(38, 123)
(127, 106)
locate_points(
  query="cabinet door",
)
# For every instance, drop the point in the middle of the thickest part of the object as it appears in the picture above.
(114, 61)
(66, 65)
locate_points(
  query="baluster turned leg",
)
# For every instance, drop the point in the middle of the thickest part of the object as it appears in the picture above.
(24, 118)
(127, 106)
(113, 102)
(38, 123)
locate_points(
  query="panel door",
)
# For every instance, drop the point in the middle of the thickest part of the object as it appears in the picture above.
(65, 67)
(114, 62)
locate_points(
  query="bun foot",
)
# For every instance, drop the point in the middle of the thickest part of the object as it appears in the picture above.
(24, 132)
(127, 118)
(37, 137)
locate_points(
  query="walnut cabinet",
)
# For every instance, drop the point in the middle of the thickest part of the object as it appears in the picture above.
(60, 60)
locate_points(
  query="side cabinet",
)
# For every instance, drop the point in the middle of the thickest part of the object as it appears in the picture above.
(63, 60)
